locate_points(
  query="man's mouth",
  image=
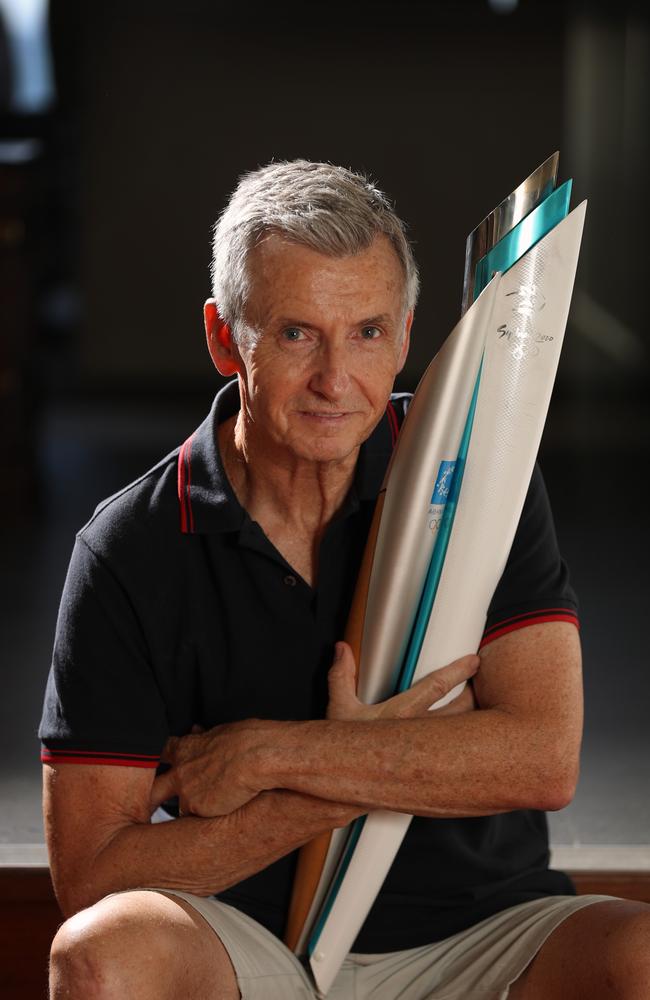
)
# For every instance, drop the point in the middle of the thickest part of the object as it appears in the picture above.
(325, 414)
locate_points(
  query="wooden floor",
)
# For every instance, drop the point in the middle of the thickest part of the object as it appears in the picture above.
(29, 917)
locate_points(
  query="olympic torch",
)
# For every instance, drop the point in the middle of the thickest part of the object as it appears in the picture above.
(460, 430)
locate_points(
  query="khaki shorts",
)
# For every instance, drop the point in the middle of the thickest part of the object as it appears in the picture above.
(476, 964)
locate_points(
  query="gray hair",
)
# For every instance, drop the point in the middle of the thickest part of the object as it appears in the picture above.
(318, 205)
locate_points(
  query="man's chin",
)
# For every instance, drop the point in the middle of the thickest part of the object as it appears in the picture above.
(327, 448)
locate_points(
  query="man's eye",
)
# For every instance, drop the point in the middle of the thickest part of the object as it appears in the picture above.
(292, 333)
(370, 332)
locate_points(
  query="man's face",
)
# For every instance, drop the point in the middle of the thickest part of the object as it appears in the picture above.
(331, 334)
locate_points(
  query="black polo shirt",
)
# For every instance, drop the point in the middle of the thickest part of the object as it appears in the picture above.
(177, 609)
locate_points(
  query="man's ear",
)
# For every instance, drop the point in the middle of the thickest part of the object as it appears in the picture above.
(404, 349)
(221, 346)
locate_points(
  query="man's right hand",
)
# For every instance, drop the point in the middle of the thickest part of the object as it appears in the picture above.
(416, 702)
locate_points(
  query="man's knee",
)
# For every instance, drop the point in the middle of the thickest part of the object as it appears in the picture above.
(627, 953)
(137, 944)
(600, 952)
(96, 953)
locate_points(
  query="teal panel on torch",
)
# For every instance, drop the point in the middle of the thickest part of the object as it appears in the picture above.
(525, 234)
(332, 893)
(502, 256)
(439, 552)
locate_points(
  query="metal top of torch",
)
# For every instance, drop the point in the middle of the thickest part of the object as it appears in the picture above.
(504, 217)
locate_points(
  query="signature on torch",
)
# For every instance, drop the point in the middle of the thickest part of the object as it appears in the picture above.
(520, 333)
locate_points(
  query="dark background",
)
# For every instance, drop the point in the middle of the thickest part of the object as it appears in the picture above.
(109, 188)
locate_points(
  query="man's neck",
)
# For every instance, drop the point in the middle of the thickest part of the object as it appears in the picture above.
(292, 499)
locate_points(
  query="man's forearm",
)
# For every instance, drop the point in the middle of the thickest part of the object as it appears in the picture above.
(519, 750)
(467, 765)
(198, 855)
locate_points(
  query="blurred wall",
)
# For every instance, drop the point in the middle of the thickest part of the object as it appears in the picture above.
(160, 106)
(607, 149)
(447, 106)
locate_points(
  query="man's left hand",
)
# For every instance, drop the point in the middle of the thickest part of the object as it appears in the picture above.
(210, 771)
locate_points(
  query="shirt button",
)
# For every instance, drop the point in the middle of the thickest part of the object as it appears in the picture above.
(290, 580)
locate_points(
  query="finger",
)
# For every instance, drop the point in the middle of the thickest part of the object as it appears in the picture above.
(341, 681)
(163, 788)
(453, 673)
(439, 683)
(463, 702)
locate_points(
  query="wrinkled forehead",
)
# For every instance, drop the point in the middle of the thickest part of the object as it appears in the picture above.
(282, 273)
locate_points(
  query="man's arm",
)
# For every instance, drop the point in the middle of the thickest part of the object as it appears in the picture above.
(520, 751)
(100, 839)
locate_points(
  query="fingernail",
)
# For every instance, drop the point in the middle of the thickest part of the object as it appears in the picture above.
(338, 651)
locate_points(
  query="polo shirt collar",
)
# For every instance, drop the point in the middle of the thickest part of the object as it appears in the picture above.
(206, 498)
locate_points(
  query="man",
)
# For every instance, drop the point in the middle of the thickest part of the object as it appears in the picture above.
(199, 621)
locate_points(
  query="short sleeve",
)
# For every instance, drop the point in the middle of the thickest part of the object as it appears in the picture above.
(102, 703)
(535, 585)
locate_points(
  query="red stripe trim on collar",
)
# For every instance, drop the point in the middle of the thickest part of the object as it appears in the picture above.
(393, 422)
(185, 487)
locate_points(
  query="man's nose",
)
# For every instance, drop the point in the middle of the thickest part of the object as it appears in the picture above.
(331, 375)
